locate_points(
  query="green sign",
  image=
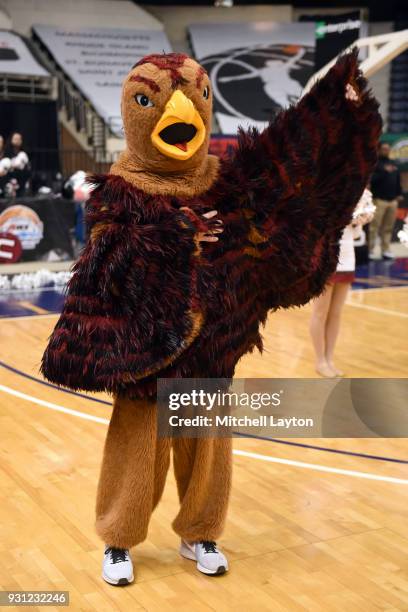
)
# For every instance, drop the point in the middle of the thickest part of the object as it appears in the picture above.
(320, 29)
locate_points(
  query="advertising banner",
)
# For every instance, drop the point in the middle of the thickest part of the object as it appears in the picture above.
(16, 58)
(256, 69)
(36, 229)
(334, 33)
(98, 59)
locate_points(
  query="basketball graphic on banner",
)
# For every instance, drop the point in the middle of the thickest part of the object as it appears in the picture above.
(23, 222)
(254, 83)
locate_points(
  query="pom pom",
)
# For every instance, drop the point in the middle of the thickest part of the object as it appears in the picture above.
(403, 234)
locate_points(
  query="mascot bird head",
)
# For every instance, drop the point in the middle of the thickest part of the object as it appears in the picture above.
(166, 110)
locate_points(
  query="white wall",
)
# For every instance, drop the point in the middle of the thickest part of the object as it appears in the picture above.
(5, 21)
(75, 13)
(177, 18)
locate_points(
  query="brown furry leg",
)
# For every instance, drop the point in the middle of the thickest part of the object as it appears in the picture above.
(203, 472)
(133, 474)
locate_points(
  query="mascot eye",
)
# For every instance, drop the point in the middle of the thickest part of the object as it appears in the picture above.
(143, 100)
(206, 93)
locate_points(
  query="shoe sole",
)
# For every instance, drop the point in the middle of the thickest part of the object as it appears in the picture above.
(120, 582)
(221, 569)
(218, 572)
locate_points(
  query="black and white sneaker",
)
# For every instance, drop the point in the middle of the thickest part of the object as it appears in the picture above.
(209, 559)
(117, 567)
(387, 255)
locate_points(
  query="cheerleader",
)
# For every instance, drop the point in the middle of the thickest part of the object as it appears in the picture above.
(327, 308)
(20, 164)
(403, 233)
(5, 165)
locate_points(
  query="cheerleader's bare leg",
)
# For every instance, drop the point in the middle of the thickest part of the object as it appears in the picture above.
(318, 321)
(339, 296)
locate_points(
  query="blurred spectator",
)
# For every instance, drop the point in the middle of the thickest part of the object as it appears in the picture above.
(2, 149)
(20, 166)
(5, 166)
(79, 184)
(386, 189)
(40, 184)
(80, 189)
(57, 182)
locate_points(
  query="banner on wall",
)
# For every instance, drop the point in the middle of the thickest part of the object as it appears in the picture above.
(36, 229)
(98, 59)
(334, 33)
(256, 69)
(16, 58)
(399, 149)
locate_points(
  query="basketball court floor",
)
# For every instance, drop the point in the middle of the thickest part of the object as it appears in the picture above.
(314, 524)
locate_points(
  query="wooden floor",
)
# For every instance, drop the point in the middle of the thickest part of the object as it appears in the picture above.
(298, 538)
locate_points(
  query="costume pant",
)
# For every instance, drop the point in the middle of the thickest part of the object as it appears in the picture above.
(383, 223)
(134, 468)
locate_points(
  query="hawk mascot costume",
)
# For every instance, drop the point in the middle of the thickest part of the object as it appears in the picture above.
(159, 291)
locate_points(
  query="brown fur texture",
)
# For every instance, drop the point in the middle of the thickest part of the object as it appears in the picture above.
(284, 198)
(144, 302)
(133, 475)
(141, 164)
(168, 258)
(178, 184)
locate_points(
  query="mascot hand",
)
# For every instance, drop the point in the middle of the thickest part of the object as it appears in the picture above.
(214, 226)
(351, 93)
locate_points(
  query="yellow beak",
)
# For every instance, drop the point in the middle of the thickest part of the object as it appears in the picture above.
(180, 131)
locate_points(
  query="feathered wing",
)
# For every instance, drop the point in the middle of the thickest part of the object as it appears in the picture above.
(302, 177)
(133, 303)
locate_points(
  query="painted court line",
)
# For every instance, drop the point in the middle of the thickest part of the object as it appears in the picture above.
(51, 406)
(371, 289)
(393, 313)
(30, 317)
(90, 398)
(29, 306)
(321, 468)
(309, 466)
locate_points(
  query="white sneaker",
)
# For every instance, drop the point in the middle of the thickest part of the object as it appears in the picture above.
(209, 559)
(117, 567)
(388, 255)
